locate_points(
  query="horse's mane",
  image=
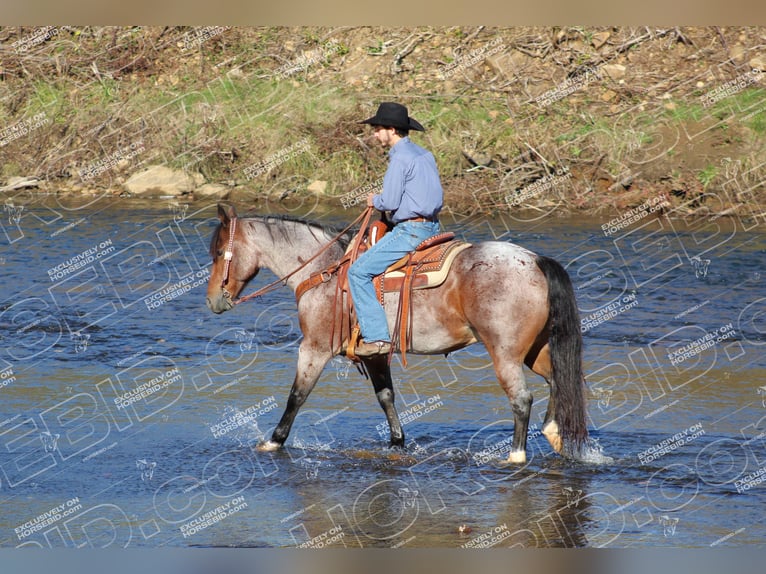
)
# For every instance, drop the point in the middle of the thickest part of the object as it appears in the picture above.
(272, 222)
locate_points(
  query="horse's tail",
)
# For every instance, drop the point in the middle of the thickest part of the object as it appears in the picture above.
(565, 342)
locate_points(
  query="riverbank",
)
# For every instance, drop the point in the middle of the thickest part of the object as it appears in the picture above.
(594, 120)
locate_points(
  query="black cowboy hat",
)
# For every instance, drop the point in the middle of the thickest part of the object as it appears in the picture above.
(391, 114)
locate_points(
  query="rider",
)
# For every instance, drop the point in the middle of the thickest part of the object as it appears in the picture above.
(413, 194)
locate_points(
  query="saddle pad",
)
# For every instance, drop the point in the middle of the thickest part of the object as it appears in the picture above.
(431, 267)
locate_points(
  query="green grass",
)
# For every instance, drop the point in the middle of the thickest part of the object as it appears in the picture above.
(707, 175)
(47, 97)
(687, 111)
(757, 122)
(753, 102)
(746, 100)
(236, 121)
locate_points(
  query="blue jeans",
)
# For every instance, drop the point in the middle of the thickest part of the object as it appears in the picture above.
(394, 245)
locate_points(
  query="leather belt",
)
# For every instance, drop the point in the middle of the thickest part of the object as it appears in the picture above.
(417, 220)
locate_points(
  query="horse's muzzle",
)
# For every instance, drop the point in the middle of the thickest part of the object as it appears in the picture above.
(219, 304)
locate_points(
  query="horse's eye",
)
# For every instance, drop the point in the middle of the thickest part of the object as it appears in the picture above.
(219, 253)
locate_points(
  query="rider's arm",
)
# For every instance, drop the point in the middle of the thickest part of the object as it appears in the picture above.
(393, 187)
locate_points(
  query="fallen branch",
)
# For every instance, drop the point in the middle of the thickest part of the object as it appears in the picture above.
(401, 55)
(22, 183)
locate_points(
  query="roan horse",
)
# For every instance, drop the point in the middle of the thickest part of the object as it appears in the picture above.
(520, 305)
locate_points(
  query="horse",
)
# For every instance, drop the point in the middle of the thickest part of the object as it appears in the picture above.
(520, 305)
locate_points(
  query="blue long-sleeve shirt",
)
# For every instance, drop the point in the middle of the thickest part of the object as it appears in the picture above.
(411, 186)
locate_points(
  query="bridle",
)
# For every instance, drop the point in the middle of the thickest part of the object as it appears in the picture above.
(228, 255)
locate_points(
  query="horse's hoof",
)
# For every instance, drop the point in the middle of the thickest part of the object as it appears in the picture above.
(516, 457)
(551, 432)
(268, 446)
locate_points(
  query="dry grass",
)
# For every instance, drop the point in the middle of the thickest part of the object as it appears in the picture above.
(220, 101)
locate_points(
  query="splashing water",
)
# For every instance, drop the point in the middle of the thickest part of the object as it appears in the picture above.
(590, 452)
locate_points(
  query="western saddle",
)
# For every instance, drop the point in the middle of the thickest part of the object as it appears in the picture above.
(424, 268)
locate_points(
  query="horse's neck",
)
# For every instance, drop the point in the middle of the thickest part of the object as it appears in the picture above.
(286, 245)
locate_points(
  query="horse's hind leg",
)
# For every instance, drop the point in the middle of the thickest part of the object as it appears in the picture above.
(510, 374)
(311, 362)
(540, 363)
(380, 375)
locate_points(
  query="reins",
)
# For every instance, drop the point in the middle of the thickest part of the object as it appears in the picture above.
(283, 280)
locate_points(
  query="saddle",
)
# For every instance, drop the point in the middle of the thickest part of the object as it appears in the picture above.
(426, 267)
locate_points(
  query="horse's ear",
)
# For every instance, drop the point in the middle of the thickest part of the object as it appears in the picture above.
(225, 213)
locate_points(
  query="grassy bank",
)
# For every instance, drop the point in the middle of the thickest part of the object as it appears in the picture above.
(587, 118)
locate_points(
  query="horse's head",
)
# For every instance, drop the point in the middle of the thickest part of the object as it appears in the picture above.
(233, 264)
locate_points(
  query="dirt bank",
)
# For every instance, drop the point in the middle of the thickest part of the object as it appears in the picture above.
(586, 119)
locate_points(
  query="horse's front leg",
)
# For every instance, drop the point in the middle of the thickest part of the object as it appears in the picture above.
(311, 362)
(380, 375)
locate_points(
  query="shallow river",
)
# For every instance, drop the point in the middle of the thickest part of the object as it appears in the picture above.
(128, 410)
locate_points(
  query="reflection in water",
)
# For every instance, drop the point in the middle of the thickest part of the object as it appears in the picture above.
(426, 502)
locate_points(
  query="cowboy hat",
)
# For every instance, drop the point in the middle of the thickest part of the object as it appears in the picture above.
(391, 114)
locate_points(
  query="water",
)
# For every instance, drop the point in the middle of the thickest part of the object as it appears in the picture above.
(106, 300)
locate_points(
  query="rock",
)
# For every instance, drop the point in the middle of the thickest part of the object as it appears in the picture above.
(216, 190)
(758, 63)
(16, 182)
(478, 158)
(599, 39)
(494, 64)
(162, 180)
(317, 187)
(608, 95)
(737, 53)
(576, 46)
(614, 71)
